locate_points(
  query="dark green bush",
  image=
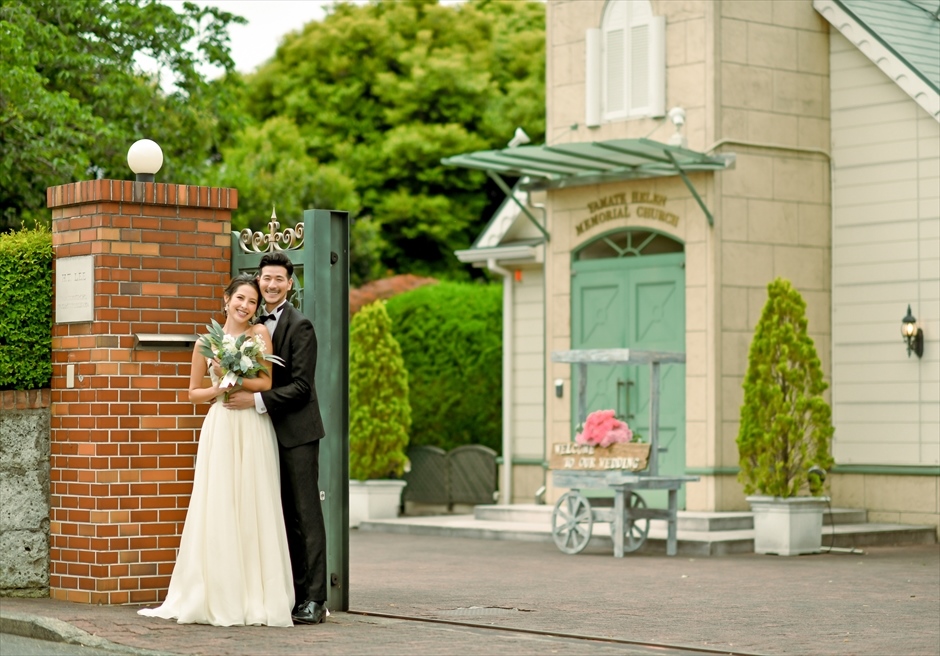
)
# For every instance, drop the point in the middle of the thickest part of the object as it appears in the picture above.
(379, 414)
(451, 341)
(25, 309)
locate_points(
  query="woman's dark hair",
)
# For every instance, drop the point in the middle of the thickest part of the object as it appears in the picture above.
(277, 258)
(243, 279)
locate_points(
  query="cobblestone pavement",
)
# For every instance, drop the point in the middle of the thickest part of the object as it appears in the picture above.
(885, 601)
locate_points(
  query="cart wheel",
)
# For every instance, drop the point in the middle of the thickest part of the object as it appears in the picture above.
(635, 530)
(572, 522)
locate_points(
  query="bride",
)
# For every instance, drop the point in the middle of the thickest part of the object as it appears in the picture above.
(233, 566)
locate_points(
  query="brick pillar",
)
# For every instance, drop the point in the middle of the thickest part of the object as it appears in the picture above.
(123, 436)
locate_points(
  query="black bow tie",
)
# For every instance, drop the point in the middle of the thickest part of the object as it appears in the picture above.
(273, 316)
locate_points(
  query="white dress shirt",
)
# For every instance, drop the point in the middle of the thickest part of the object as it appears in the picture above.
(271, 325)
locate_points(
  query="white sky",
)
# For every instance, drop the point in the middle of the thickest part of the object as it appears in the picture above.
(268, 21)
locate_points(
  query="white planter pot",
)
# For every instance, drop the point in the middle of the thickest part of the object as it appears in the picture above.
(787, 527)
(379, 499)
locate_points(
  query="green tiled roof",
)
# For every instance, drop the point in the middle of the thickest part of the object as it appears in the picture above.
(908, 28)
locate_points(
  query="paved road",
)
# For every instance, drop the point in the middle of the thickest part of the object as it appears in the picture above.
(886, 601)
(14, 645)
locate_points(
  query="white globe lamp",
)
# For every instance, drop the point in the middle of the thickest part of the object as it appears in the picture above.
(145, 158)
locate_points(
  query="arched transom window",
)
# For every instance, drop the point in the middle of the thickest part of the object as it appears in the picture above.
(629, 243)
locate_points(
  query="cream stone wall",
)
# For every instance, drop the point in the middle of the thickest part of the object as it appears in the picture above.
(687, 74)
(893, 499)
(752, 76)
(568, 208)
(527, 481)
(773, 209)
(688, 82)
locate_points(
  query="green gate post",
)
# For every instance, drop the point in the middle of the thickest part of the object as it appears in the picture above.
(323, 262)
(326, 303)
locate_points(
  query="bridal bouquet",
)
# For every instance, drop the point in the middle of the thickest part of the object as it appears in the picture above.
(240, 357)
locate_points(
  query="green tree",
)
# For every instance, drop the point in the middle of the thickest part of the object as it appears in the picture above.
(269, 167)
(451, 341)
(786, 424)
(379, 412)
(383, 91)
(73, 97)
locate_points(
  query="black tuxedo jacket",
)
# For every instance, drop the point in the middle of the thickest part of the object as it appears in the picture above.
(292, 400)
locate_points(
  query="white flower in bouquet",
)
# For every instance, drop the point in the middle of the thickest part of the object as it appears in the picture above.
(239, 357)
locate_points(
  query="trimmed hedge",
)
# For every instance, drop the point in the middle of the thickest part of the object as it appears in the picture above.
(451, 340)
(25, 309)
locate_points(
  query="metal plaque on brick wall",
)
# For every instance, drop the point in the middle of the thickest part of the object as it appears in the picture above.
(631, 456)
(75, 289)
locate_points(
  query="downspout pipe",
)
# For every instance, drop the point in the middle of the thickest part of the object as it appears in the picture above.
(505, 486)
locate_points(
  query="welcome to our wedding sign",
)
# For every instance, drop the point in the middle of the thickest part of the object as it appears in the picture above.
(630, 456)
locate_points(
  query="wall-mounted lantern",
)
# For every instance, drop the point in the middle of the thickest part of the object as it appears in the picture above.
(913, 336)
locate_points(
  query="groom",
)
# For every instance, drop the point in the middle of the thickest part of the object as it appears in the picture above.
(295, 412)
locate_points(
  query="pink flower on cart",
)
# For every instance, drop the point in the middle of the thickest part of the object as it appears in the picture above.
(602, 428)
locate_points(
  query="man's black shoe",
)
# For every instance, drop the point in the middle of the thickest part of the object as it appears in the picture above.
(309, 612)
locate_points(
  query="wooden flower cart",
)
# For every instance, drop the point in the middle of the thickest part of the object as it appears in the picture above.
(624, 468)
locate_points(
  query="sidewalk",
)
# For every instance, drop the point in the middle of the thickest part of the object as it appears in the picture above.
(886, 601)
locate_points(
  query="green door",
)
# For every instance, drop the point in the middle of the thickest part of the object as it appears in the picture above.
(636, 303)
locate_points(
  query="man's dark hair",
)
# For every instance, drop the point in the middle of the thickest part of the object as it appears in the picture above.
(277, 258)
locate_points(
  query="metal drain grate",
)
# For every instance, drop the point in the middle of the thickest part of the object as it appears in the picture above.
(479, 611)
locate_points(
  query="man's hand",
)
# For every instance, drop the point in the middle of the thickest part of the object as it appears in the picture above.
(240, 400)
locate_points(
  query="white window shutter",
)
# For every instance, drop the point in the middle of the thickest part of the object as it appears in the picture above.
(615, 75)
(657, 66)
(614, 60)
(592, 78)
(632, 62)
(638, 84)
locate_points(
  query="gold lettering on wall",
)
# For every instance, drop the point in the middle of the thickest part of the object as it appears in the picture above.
(647, 197)
(658, 214)
(616, 206)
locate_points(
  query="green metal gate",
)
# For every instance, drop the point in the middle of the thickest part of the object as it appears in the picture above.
(319, 249)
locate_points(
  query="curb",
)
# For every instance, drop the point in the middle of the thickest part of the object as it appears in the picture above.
(53, 630)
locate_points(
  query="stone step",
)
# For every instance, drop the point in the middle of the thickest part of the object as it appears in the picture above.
(689, 543)
(846, 536)
(464, 526)
(836, 516)
(696, 534)
(526, 513)
(687, 519)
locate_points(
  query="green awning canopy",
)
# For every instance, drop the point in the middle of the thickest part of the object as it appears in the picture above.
(574, 164)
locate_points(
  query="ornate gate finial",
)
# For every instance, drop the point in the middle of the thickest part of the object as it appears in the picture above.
(258, 242)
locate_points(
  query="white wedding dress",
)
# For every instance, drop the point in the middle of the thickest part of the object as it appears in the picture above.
(233, 566)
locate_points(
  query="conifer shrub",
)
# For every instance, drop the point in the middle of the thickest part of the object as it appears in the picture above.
(379, 412)
(786, 424)
(25, 309)
(451, 340)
